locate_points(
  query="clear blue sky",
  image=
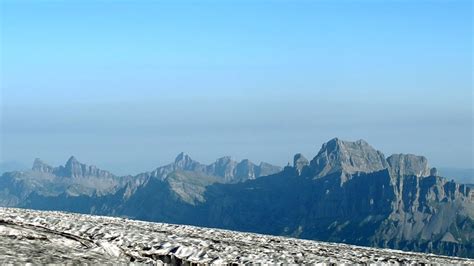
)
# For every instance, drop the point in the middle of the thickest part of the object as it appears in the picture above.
(126, 85)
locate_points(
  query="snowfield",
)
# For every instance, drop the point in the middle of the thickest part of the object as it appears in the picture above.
(58, 237)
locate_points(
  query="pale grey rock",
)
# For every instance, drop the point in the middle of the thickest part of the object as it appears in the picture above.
(225, 169)
(385, 208)
(54, 237)
(74, 169)
(188, 179)
(74, 179)
(184, 162)
(409, 164)
(245, 170)
(266, 169)
(40, 166)
(346, 157)
(231, 171)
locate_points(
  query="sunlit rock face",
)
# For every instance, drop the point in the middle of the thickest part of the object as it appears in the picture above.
(409, 164)
(346, 157)
(54, 237)
(348, 193)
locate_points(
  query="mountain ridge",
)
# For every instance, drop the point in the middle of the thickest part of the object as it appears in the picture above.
(349, 192)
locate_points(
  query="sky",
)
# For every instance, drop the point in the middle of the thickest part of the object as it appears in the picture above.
(127, 85)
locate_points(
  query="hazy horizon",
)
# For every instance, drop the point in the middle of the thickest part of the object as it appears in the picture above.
(128, 85)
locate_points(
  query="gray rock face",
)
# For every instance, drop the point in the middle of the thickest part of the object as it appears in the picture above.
(224, 169)
(347, 157)
(40, 166)
(75, 169)
(265, 169)
(300, 162)
(348, 193)
(231, 171)
(184, 162)
(72, 179)
(409, 164)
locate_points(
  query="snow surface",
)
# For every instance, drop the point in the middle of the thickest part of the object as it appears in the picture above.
(58, 237)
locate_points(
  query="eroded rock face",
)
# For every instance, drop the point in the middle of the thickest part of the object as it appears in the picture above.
(184, 162)
(300, 163)
(40, 166)
(225, 169)
(265, 169)
(233, 172)
(348, 193)
(409, 164)
(73, 168)
(348, 158)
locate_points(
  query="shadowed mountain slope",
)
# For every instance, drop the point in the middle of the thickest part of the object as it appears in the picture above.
(349, 192)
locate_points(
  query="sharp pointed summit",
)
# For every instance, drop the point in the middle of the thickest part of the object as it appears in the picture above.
(184, 162)
(72, 161)
(73, 168)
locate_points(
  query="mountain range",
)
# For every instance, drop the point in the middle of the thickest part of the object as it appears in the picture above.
(349, 192)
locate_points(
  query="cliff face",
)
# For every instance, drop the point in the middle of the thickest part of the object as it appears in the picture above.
(345, 157)
(409, 164)
(434, 215)
(431, 214)
(224, 170)
(348, 193)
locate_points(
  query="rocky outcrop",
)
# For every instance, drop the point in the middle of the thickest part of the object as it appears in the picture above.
(40, 237)
(40, 166)
(266, 169)
(300, 163)
(225, 169)
(346, 157)
(184, 162)
(348, 193)
(73, 168)
(409, 164)
(230, 171)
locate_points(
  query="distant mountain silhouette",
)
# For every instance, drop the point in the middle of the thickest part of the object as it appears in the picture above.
(349, 192)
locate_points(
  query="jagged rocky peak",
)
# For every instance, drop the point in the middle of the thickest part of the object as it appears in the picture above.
(184, 162)
(245, 170)
(223, 167)
(232, 171)
(300, 162)
(225, 161)
(409, 164)
(40, 166)
(73, 168)
(72, 162)
(347, 157)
